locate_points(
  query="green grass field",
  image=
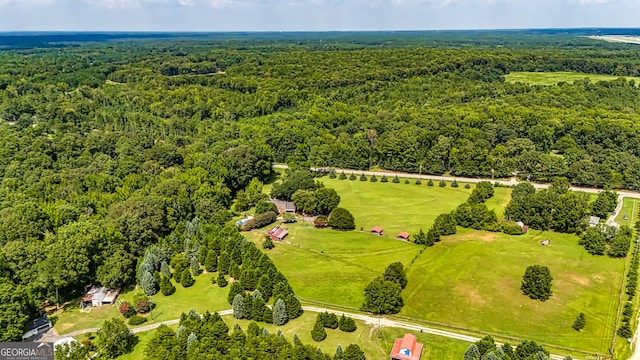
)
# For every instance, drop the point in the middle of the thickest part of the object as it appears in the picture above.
(552, 78)
(338, 264)
(627, 209)
(202, 296)
(472, 280)
(404, 207)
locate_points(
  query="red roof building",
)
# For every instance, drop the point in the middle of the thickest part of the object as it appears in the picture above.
(277, 233)
(377, 230)
(406, 348)
(403, 235)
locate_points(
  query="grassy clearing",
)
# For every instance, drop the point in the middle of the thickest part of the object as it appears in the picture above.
(552, 78)
(338, 264)
(403, 207)
(627, 210)
(472, 280)
(202, 296)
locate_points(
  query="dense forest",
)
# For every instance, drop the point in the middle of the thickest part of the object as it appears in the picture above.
(109, 147)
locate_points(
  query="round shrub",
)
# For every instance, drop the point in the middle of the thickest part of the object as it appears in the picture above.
(342, 219)
(137, 320)
(288, 218)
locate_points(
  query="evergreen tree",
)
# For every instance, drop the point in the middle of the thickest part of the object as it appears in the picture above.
(406, 181)
(164, 269)
(332, 174)
(296, 340)
(373, 178)
(148, 283)
(418, 182)
(267, 315)
(235, 289)
(166, 287)
(223, 263)
(430, 182)
(442, 183)
(353, 352)
(472, 353)
(194, 264)
(267, 244)
(238, 306)
(384, 179)
(329, 320)
(294, 309)
(186, 279)
(221, 280)
(280, 313)
(347, 324)
(395, 179)
(342, 176)
(580, 322)
(265, 332)
(395, 272)
(363, 177)
(454, 184)
(318, 333)
(352, 176)
(191, 339)
(420, 238)
(338, 355)
(211, 261)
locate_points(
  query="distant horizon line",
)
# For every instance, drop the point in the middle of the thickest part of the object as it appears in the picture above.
(31, 32)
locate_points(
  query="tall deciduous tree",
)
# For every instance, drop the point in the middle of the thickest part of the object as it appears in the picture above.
(536, 282)
(113, 339)
(383, 297)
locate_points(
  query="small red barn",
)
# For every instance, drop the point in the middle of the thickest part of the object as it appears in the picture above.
(377, 231)
(406, 348)
(277, 233)
(403, 236)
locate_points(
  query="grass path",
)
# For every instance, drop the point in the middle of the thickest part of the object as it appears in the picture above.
(552, 78)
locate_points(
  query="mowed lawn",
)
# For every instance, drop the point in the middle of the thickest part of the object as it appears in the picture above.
(552, 78)
(627, 209)
(202, 296)
(403, 207)
(473, 279)
(333, 266)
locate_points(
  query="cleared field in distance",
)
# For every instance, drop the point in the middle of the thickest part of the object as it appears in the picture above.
(552, 78)
(404, 207)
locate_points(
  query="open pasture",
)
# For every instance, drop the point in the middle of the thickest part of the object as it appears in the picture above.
(552, 78)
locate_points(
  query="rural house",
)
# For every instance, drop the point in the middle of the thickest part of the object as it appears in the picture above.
(406, 348)
(403, 236)
(98, 296)
(593, 221)
(37, 326)
(377, 231)
(277, 233)
(284, 206)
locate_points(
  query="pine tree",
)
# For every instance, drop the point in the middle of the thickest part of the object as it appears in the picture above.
(166, 287)
(384, 179)
(221, 280)
(194, 264)
(223, 263)
(339, 354)
(472, 353)
(374, 178)
(430, 182)
(363, 177)
(418, 182)
(580, 322)
(267, 315)
(353, 352)
(265, 332)
(191, 339)
(318, 333)
(186, 279)
(148, 283)
(442, 183)
(294, 309)
(267, 244)
(395, 179)
(238, 306)
(454, 184)
(342, 176)
(352, 176)
(164, 269)
(280, 313)
(346, 324)
(211, 262)
(296, 340)
(235, 289)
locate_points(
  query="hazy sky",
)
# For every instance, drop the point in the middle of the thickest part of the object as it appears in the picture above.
(238, 15)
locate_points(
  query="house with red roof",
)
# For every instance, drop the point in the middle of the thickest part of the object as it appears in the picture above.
(377, 231)
(403, 236)
(406, 348)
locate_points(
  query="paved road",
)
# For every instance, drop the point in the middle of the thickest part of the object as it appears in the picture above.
(510, 182)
